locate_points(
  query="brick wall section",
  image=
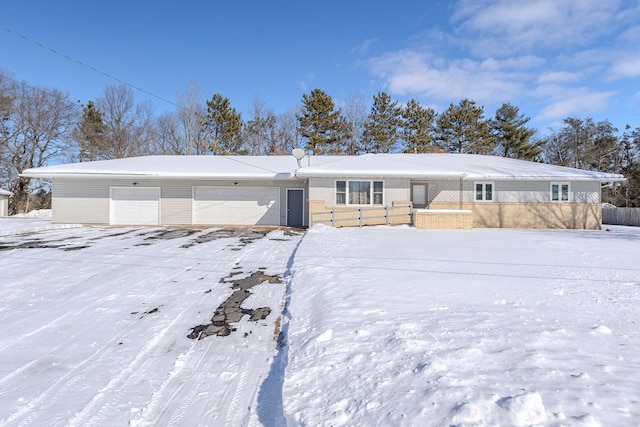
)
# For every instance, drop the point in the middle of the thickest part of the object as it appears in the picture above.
(444, 219)
(531, 215)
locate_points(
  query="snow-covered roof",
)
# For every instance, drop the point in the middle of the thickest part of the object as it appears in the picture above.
(417, 166)
(447, 166)
(5, 192)
(180, 167)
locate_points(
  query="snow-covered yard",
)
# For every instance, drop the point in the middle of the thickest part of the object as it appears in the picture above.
(383, 326)
(396, 326)
(95, 324)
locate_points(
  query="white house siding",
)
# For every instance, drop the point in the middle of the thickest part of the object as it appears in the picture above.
(395, 189)
(512, 191)
(86, 201)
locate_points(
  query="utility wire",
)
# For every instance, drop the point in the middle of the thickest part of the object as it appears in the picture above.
(86, 65)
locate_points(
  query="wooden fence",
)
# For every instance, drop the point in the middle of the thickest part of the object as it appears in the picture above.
(621, 216)
(364, 216)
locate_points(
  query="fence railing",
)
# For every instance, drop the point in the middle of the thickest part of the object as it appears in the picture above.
(621, 216)
(358, 217)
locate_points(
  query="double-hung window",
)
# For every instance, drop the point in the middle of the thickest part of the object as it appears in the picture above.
(483, 191)
(359, 192)
(560, 191)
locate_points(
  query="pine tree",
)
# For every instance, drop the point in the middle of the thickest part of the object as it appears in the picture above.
(462, 128)
(514, 139)
(417, 129)
(224, 126)
(320, 123)
(382, 127)
(91, 134)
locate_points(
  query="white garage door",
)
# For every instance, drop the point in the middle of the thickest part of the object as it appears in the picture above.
(236, 205)
(135, 206)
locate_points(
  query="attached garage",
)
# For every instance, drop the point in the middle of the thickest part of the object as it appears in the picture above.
(236, 205)
(134, 206)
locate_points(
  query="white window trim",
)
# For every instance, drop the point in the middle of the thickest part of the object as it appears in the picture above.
(560, 184)
(484, 191)
(346, 181)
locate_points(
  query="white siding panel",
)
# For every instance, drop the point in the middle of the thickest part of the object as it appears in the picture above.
(395, 189)
(512, 191)
(586, 192)
(236, 205)
(86, 201)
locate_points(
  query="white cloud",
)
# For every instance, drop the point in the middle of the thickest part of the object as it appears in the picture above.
(558, 77)
(364, 47)
(504, 26)
(626, 67)
(570, 101)
(414, 73)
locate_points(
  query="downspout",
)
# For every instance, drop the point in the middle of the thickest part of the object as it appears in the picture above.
(461, 190)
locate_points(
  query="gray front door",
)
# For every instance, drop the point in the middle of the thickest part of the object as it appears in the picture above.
(420, 195)
(295, 207)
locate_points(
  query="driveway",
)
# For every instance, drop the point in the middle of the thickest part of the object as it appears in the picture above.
(105, 326)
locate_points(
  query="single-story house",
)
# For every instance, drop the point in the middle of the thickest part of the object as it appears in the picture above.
(4, 202)
(480, 191)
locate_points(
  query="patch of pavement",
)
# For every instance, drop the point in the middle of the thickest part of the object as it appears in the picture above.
(231, 311)
(246, 236)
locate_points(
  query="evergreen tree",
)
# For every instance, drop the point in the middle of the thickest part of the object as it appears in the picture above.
(320, 123)
(382, 127)
(512, 135)
(417, 129)
(462, 128)
(91, 134)
(224, 126)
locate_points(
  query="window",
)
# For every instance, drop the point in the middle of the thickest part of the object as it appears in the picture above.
(484, 191)
(341, 193)
(359, 192)
(377, 192)
(560, 191)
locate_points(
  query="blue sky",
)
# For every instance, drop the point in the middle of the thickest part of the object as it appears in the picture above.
(551, 58)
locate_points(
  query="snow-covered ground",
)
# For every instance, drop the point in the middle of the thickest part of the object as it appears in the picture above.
(39, 220)
(383, 326)
(95, 324)
(397, 326)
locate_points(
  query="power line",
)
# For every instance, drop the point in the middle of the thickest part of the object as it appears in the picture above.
(67, 57)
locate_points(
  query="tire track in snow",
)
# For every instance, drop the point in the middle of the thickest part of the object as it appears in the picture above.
(110, 395)
(68, 381)
(192, 381)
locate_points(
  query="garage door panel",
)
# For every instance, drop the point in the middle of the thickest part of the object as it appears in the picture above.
(236, 205)
(135, 206)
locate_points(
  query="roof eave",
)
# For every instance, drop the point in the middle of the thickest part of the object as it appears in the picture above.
(215, 177)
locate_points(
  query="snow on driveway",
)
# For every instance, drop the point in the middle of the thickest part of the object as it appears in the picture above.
(397, 326)
(95, 324)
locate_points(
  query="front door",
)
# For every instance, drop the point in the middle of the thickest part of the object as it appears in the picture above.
(420, 195)
(295, 207)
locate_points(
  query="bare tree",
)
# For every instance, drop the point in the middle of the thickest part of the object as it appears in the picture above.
(184, 131)
(35, 128)
(355, 114)
(130, 126)
(260, 134)
(289, 136)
